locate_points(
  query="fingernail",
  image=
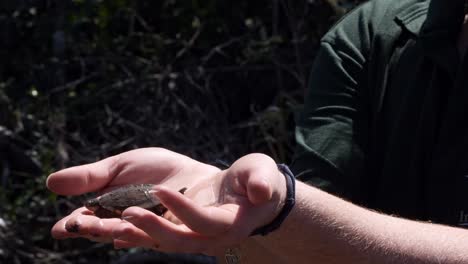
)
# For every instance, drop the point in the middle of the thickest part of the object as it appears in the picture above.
(128, 217)
(119, 238)
(157, 193)
(156, 189)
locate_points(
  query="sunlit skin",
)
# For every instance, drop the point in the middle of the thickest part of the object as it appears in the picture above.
(221, 208)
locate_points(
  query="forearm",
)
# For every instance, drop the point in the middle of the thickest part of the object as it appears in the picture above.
(325, 229)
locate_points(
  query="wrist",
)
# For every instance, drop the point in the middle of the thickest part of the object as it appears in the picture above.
(286, 201)
(281, 195)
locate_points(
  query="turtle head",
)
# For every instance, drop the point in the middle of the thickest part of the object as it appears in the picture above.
(92, 204)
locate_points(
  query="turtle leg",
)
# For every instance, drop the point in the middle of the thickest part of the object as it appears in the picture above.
(158, 209)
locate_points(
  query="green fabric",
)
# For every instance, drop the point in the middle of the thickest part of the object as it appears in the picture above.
(383, 121)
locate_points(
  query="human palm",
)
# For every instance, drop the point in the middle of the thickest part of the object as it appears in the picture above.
(219, 208)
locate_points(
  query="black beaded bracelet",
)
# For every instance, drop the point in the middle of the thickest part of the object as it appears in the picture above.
(288, 204)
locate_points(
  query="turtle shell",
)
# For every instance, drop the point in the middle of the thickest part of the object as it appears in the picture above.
(113, 203)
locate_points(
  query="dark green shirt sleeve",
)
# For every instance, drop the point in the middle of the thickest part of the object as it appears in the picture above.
(331, 128)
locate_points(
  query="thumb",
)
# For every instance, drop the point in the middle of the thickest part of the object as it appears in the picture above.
(258, 188)
(81, 179)
(255, 174)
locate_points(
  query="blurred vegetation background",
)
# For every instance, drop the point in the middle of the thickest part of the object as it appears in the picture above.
(85, 79)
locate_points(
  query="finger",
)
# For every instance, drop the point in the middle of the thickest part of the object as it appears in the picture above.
(255, 173)
(258, 189)
(209, 221)
(94, 228)
(82, 179)
(133, 236)
(81, 224)
(121, 244)
(59, 230)
(172, 237)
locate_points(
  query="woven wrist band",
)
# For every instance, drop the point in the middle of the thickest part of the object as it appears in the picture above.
(288, 204)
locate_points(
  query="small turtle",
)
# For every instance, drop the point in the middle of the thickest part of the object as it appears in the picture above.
(113, 203)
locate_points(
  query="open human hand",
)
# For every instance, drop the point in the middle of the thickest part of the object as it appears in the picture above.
(218, 210)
